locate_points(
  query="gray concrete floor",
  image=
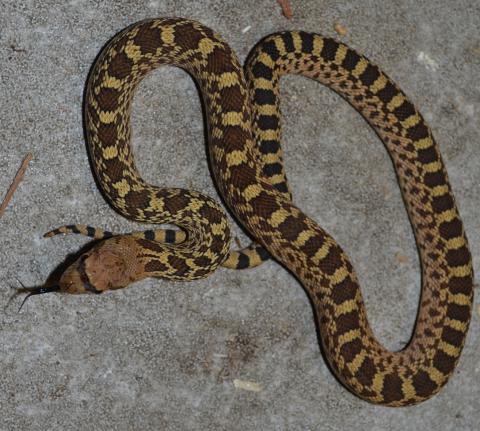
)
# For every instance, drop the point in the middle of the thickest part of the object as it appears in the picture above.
(166, 355)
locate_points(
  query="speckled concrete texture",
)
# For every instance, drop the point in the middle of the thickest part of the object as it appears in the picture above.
(170, 356)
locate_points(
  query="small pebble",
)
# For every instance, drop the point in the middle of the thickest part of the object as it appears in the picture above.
(401, 258)
(340, 29)
(247, 386)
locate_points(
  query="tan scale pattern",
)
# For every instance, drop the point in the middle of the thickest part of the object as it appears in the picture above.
(244, 133)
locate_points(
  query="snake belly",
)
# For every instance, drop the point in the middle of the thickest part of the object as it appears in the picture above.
(244, 132)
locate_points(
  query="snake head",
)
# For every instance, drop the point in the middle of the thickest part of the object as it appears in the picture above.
(74, 280)
(106, 266)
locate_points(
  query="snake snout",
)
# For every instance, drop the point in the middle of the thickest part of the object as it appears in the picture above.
(75, 278)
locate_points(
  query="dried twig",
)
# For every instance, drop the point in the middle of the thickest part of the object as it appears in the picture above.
(16, 182)
(237, 241)
(17, 49)
(286, 8)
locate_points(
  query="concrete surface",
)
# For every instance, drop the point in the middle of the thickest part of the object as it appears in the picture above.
(165, 355)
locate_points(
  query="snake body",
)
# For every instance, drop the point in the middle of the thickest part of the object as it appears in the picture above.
(243, 119)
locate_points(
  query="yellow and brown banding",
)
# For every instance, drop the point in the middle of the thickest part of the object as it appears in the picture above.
(243, 117)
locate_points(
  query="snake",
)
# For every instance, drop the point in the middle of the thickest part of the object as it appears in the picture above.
(243, 119)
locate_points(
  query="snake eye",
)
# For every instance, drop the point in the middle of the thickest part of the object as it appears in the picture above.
(84, 276)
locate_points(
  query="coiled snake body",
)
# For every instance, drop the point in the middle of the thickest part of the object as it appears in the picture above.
(243, 125)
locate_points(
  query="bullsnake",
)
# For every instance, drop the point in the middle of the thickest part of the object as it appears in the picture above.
(243, 119)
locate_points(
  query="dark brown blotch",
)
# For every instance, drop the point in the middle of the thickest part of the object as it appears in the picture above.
(351, 349)
(187, 36)
(270, 48)
(451, 229)
(138, 199)
(329, 50)
(433, 179)
(269, 146)
(291, 227)
(428, 155)
(351, 60)
(180, 265)
(442, 203)
(366, 372)
(311, 246)
(419, 131)
(428, 333)
(369, 75)
(288, 41)
(332, 261)
(220, 60)
(347, 322)
(156, 266)
(176, 203)
(234, 138)
(268, 122)
(242, 176)
(458, 257)
(307, 41)
(115, 169)
(151, 245)
(108, 99)
(423, 384)
(264, 205)
(392, 388)
(344, 291)
(203, 262)
(107, 133)
(452, 336)
(405, 110)
(120, 66)
(210, 213)
(231, 98)
(148, 38)
(444, 362)
(461, 284)
(458, 312)
(264, 97)
(387, 93)
(271, 169)
(261, 70)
